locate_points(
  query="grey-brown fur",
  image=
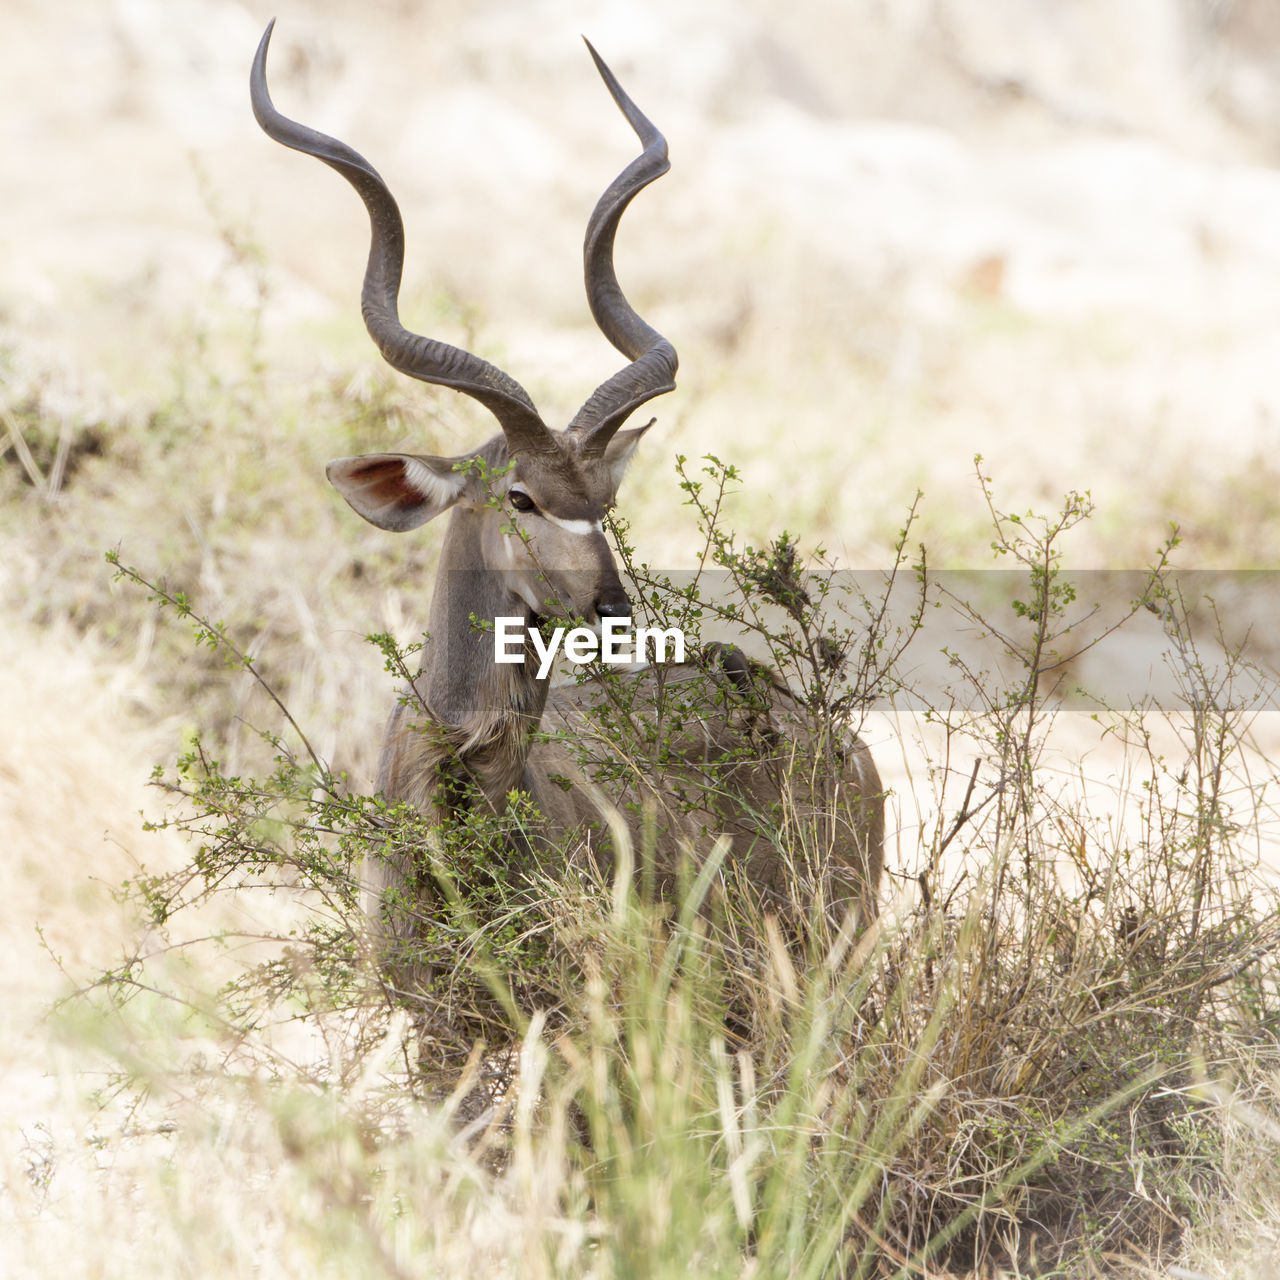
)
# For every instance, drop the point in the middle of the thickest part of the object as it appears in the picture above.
(525, 540)
(471, 719)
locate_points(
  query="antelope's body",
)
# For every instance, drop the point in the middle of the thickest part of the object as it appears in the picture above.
(525, 539)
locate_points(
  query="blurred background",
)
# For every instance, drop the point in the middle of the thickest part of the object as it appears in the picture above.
(896, 234)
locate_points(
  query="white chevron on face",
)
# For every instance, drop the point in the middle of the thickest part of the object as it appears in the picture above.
(580, 527)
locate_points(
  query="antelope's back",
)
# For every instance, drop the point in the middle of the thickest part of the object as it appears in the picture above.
(698, 752)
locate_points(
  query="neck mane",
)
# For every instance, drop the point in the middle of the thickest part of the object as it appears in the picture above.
(475, 716)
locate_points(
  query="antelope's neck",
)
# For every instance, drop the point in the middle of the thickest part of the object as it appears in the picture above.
(490, 708)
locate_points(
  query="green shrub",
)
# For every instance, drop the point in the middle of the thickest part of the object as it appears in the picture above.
(1011, 1068)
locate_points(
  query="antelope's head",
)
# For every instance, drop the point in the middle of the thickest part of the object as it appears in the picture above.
(539, 495)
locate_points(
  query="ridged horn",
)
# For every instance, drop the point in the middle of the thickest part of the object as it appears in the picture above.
(653, 359)
(411, 353)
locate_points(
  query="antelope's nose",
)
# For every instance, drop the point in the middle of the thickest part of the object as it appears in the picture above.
(613, 606)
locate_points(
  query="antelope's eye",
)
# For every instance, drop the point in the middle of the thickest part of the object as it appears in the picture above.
(521, 500)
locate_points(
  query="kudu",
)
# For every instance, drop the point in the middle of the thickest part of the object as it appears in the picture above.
(525, 539)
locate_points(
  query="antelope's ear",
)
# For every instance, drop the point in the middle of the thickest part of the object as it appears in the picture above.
(398, 491)
(618, 452)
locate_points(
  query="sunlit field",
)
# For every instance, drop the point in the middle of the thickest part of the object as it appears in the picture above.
(976, 302)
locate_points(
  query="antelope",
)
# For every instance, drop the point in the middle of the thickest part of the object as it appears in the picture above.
(525, 539)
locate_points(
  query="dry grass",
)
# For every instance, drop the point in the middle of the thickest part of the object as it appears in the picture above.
(1039, 1061)
(893, 238)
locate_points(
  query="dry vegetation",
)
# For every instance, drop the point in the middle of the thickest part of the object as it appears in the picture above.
(894, 236)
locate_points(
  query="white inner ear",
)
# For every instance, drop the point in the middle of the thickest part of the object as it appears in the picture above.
(431, 484)
(619, 454)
